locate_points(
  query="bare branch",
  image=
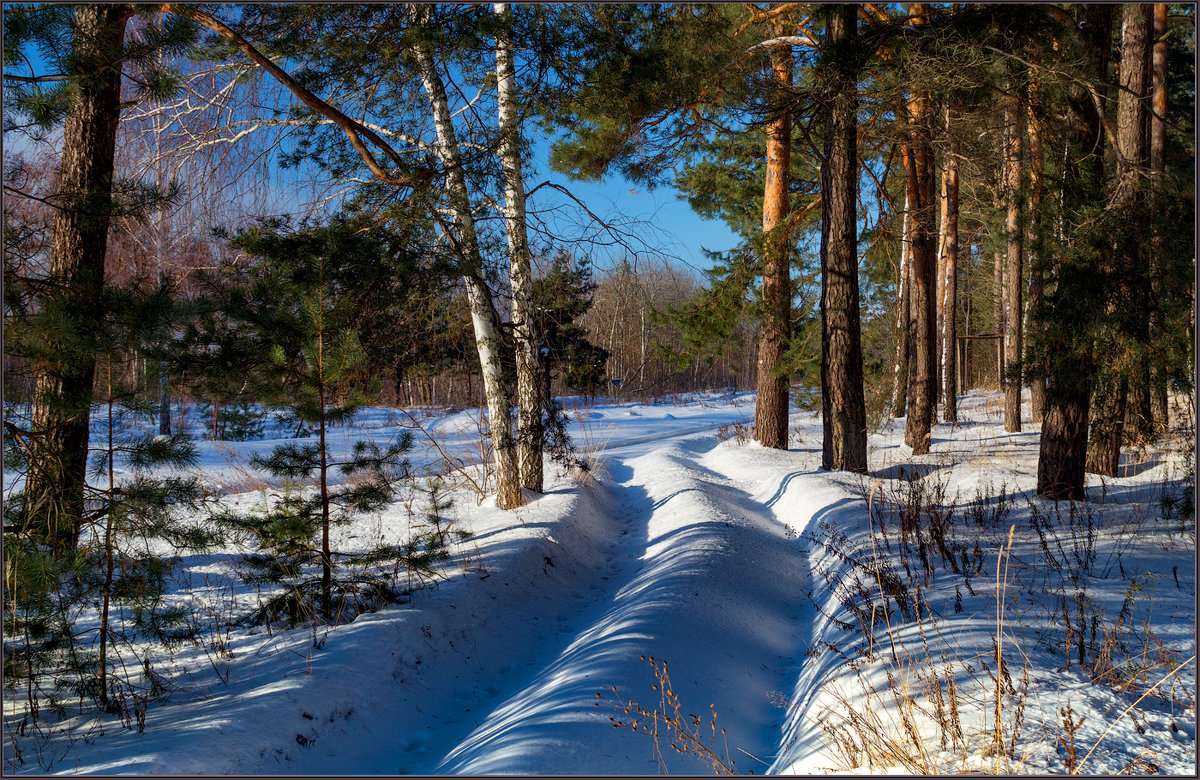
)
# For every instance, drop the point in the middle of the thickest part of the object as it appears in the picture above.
(354, 131)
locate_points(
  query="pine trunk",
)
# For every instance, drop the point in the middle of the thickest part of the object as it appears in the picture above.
(998, 299)
(1107, 426)
(1063, 445)
(843, 413)
(900, 365)
(1070, 368)
(484, 319)
(57, 476)
(530, 434)
(1013, 237)
(1108, 405)
(1158, 164)
(1037, 384)
(771, 408)
(950, 275)
(919, 181)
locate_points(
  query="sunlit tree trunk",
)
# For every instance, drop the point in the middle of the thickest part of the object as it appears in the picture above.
(529, 387)
(843, 413)
(771, 409)
(949, 301)
(57, 475)
(484, 318)
(998, 312)
(900, 363)
(1013, 239)
(1037, 384)
(919, 178)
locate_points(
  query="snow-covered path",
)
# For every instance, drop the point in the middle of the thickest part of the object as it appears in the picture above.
(669, 558)
(703, 561)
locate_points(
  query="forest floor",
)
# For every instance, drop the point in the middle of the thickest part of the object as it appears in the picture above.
(699, 603)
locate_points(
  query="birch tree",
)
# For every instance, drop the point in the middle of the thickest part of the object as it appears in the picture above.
(530, 403)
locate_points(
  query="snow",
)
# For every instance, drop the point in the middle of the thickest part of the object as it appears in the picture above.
(731, 563)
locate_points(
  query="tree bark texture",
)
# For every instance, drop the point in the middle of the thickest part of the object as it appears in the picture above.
(1109, 403)
(1070, 370)
(57, 475)
(843, 411)
(1037, 383)
(771, 408)
(530, 403)
(940, 290)
(998, 313)
(1013, 239)
(484, 318)
(1158, 165)
(919, 181)
(903, 287)
(949, 253)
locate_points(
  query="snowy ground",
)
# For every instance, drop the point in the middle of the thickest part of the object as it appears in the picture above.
(796, 640)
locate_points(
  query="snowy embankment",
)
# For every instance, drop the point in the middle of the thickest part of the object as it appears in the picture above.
(799, 640)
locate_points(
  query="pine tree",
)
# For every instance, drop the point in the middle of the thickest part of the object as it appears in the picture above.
(1014, 133)
(1111, 391)
(90, 49)
(922, 400)
(843, 414)
(131, 502)
(1070, 301)
(296, 306)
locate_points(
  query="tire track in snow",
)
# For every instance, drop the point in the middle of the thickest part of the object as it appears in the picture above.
(711, 585)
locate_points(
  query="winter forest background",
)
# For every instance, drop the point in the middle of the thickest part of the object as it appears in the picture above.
(349, 386)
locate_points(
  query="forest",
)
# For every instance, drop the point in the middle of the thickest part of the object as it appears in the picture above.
(397, 388)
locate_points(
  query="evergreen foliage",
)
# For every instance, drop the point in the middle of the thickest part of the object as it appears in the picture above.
(80, 619)
(294, 307)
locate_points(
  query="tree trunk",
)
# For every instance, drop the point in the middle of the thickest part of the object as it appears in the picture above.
(843, 412)
(949, 299)
(529, 395)
(1037, 384)
(919, 181)
(939, 323)
(903, 296)
(1107, 426)
(998, 299)
(1108, 406)
(484, 319)
(1158, 164)
(326, 555)
(1013, 235)
(1063, 444)
(771, 409)
(1070, 369)
(57, 476)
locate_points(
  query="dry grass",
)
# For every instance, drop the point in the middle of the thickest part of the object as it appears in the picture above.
(685, 733)
(903, 705)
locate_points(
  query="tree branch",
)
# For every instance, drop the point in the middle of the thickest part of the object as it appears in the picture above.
(355, 131)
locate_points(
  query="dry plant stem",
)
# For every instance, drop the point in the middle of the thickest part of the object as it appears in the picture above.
(999, 744)
(1128, 709)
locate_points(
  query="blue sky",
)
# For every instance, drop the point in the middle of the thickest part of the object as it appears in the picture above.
(674, 230)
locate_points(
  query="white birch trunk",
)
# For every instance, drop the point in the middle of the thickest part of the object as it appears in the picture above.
(484, 318)
(529, 396)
